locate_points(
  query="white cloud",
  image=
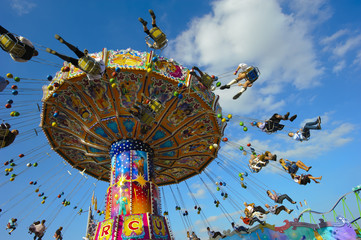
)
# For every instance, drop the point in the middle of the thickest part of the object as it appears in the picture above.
(271, 89)
(357, 60)
(341, 49)
(343, 45)
(332, 135)
(258, 33)
(325, 118)
(22, 7)
(200, 191)
(313, 12)
(335, 36)
(249, 101)
(321, 142)
(212, 219)
(339, 66)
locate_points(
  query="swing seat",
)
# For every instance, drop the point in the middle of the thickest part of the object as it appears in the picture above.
(15, 48)
(253, 170)
(252, 74)
(272, 127)
(155, 106)
(159, 38)
(147, 118)
(4, 133)
(157, 35)
(146, 114)
(89, 65)
(207, 80)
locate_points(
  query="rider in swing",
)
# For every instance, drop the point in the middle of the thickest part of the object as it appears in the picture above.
(94, 68)
(158, 36)
(19, 48)
(249, 73)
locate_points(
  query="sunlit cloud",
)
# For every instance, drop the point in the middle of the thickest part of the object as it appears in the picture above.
(341, 46)
(258, 33)
(199, 191)
(22, 7)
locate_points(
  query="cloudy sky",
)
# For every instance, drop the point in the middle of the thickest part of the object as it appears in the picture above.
(309, 56)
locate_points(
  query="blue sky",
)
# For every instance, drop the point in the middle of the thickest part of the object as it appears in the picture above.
(309, 56)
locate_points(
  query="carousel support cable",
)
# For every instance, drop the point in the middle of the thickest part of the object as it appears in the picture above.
(54, 200)
(250, 189)
(18, 202)
(48, 194)
(180, 215)
(164, 200)
(187, 217)
(67, 225)
(82, 202)
(192, 195)
(223, 209)
(197, 204)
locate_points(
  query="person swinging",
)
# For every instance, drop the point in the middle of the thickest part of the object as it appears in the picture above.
(204, 78)
(19, 48)
(158, 36)
(304, 133)
(273, 124)
(249, 73)
(93, 67)
(7, 137)
(292, 167)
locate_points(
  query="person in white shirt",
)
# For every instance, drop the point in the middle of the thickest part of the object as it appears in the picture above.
(19, 48)
(304, 133)
(278, 198)
(257, 162)
(213, 234)
(39, 230)
(277, 209)
(188, 236)
(251, 209)
(249, 73)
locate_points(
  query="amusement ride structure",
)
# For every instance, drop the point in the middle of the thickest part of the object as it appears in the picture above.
(146, 123)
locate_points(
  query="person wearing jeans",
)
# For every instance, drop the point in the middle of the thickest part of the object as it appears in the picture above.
(213, 234)
(304, 133)
(278, 198)
(277, 209)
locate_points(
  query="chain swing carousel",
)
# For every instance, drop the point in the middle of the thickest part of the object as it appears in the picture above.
(147, 122)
